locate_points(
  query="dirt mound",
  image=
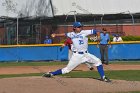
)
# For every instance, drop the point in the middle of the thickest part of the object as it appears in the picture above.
(61, 84)
(65, 85)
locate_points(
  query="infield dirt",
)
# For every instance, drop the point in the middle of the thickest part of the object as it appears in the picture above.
(61, 84)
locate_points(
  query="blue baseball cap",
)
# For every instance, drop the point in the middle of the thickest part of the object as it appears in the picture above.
(116, 35)
(77, 24)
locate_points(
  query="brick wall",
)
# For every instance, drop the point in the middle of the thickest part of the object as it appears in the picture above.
(120, 29)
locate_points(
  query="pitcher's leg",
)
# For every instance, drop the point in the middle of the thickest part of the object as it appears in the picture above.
(97, 62)
(71, 65)
(74, 62)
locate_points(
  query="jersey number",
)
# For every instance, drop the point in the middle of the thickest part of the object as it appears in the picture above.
(81, 42)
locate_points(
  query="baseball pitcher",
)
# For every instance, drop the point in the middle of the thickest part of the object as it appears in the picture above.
(80, 52)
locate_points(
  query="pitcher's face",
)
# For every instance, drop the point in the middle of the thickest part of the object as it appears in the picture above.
(78, 29)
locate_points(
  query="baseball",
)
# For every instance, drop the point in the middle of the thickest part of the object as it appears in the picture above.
(53, 35)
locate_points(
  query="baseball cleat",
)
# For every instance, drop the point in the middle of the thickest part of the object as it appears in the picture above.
(47, 75)
(105, 79)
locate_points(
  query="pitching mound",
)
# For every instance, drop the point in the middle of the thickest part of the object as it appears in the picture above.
(65, 85)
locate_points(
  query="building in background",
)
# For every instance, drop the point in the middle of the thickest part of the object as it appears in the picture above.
(25, 22)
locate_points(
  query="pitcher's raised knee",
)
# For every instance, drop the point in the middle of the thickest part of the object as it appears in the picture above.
(98, 63)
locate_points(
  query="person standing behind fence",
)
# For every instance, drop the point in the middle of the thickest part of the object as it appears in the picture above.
(48, 40)
(103, 43)
(117, 38)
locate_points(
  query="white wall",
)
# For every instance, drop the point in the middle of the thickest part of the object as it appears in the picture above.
(96, 6)
(63, 7)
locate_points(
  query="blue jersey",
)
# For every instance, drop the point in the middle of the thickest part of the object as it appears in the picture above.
(48, 41)
(104, 38)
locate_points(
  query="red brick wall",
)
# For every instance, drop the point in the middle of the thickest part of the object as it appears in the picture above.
(120, 29)
(2, 34)
(48, 29)
(132, 30)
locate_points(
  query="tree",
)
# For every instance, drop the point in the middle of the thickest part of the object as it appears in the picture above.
(10, 6)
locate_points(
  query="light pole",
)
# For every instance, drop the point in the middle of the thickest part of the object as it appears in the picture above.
(133, 28)
(68, 15)
(133, 21)
(17, 29)
(132, 17)
(102, 20)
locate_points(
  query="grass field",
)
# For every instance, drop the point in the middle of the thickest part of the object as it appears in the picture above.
(129, 75)
(50, 63)
(132, 75)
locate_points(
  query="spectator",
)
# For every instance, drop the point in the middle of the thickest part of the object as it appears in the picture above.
(47, 40)
(93, 38)
(104, 42)
(117, 38)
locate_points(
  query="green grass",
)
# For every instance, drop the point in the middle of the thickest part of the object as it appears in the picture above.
(51, 63)
(125, 62)
(130, 75)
